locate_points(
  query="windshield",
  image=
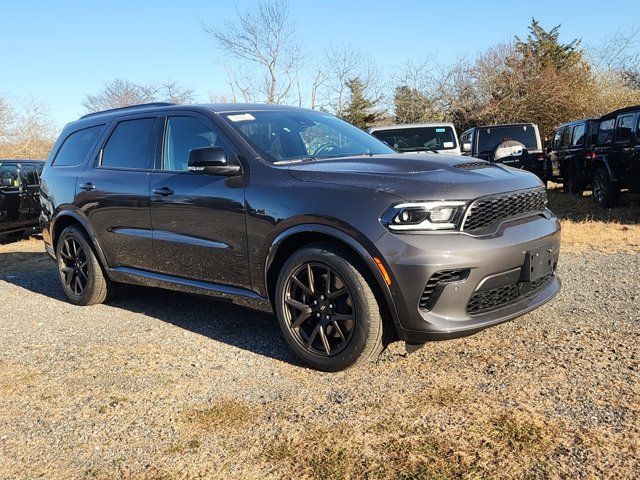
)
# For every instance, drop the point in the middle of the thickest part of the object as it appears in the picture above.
(8, 176)
(287, 136)
(490, 137)
(418, 138)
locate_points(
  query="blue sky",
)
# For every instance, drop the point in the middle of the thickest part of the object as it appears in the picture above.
(57, 52)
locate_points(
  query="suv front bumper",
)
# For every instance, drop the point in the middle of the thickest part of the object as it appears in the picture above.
(491, 263)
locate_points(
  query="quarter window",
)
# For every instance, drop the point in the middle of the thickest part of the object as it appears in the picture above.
(130, 145)
(184, 134)
(605, 131)
(30, 176)
(76, 146)
(624, 128)
(578, 135)
(566, 137)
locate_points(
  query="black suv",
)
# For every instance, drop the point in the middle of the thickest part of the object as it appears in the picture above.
(571, 154)
(516, 144)
(617, 156)
(19, 196)
(295, 211)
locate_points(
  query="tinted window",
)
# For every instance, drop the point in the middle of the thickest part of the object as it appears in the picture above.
(578, 134)
(556, 139)
(605, 131)
(566, 137)
(130, 145)
(76, 147)
(417, 138)
(624, 128)
(490, 137)
(290, 135)
(30, 175)
(8, 176)
(184, 134)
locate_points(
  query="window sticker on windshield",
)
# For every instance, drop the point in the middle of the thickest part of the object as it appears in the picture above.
(440, 130)
(241, 117)
(447, 145)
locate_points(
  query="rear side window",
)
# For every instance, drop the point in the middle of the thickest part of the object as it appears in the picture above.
(624, 128)
(556, 139)
(30, 176)
(566, 137)
(578, 135)
(605, 131)
(130, 145)
(76, 147)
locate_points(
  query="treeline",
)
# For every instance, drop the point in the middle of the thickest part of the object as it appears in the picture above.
(534, 78)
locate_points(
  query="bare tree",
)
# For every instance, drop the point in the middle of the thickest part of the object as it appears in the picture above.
(341, 64)
(123, 93)
(6, 120)
(29, 133)
(266, 38)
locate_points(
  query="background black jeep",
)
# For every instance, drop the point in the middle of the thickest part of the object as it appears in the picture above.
(571, 154)
(517, 145)
(19, 196)
(617, 156)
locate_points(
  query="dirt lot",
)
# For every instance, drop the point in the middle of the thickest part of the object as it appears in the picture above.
(160, 385)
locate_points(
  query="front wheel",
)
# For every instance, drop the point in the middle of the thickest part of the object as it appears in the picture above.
(605, 191)
(327, 310)
(81, 275)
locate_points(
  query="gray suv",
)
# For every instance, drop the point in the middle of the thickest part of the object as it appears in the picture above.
(295, 211)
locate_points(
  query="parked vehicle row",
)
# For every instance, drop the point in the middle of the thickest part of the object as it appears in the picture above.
(602, 154)
(19, 196)
(297, 212)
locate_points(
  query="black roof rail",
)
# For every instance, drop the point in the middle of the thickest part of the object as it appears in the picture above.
(142, 105)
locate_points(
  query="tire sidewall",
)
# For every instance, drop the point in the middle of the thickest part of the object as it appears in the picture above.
(92, 265)
(360, 336)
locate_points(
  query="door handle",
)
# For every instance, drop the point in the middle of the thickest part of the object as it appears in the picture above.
(87, 186)
(163, 192)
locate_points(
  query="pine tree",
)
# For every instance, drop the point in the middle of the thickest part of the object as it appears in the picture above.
(359, 110)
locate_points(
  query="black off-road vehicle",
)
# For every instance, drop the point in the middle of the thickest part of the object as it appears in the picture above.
(617, 156)
(19, 196)
(517, 145)
(571, 154)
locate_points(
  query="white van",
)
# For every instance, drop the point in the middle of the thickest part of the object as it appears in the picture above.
(419, 137)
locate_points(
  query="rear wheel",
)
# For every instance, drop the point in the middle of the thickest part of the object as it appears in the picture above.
(605, 191)
(327, 310)
(570, 181)
(81, 275)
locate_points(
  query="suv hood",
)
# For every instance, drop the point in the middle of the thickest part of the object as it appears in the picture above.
(417, 177)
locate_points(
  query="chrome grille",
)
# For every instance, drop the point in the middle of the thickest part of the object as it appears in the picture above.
(486, 212)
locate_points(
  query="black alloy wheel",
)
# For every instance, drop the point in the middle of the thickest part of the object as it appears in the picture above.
(319, 309)
(74, 267)
(81, 274)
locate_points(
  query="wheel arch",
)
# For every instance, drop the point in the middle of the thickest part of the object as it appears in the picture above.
(603, 161)
(301, 235)
(67, 218)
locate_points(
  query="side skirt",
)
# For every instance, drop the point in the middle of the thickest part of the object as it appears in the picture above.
(239, 296)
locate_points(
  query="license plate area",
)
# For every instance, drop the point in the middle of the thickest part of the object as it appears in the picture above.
(538, 263)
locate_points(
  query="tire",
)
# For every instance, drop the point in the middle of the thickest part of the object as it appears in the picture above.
(343, 343)
(605, 191)
(570, 182)
(80, 272)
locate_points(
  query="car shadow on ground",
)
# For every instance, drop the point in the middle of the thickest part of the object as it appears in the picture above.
(221, 321)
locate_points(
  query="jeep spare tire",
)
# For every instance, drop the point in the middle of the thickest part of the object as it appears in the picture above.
(508, 149)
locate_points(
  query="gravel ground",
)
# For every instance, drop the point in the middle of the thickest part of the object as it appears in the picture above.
(155, 384)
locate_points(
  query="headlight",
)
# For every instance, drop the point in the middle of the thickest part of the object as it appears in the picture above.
(442, 215)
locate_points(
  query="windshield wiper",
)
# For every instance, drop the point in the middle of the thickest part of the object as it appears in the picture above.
(419, 149)
(296, 160)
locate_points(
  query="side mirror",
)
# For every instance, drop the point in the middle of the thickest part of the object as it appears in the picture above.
(466, 147)
(212, 161)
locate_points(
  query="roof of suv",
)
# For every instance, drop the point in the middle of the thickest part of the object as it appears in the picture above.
(505, 125)
(615, 113)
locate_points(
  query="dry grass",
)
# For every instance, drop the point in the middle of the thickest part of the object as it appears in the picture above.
(585, 226)
(223, 414)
